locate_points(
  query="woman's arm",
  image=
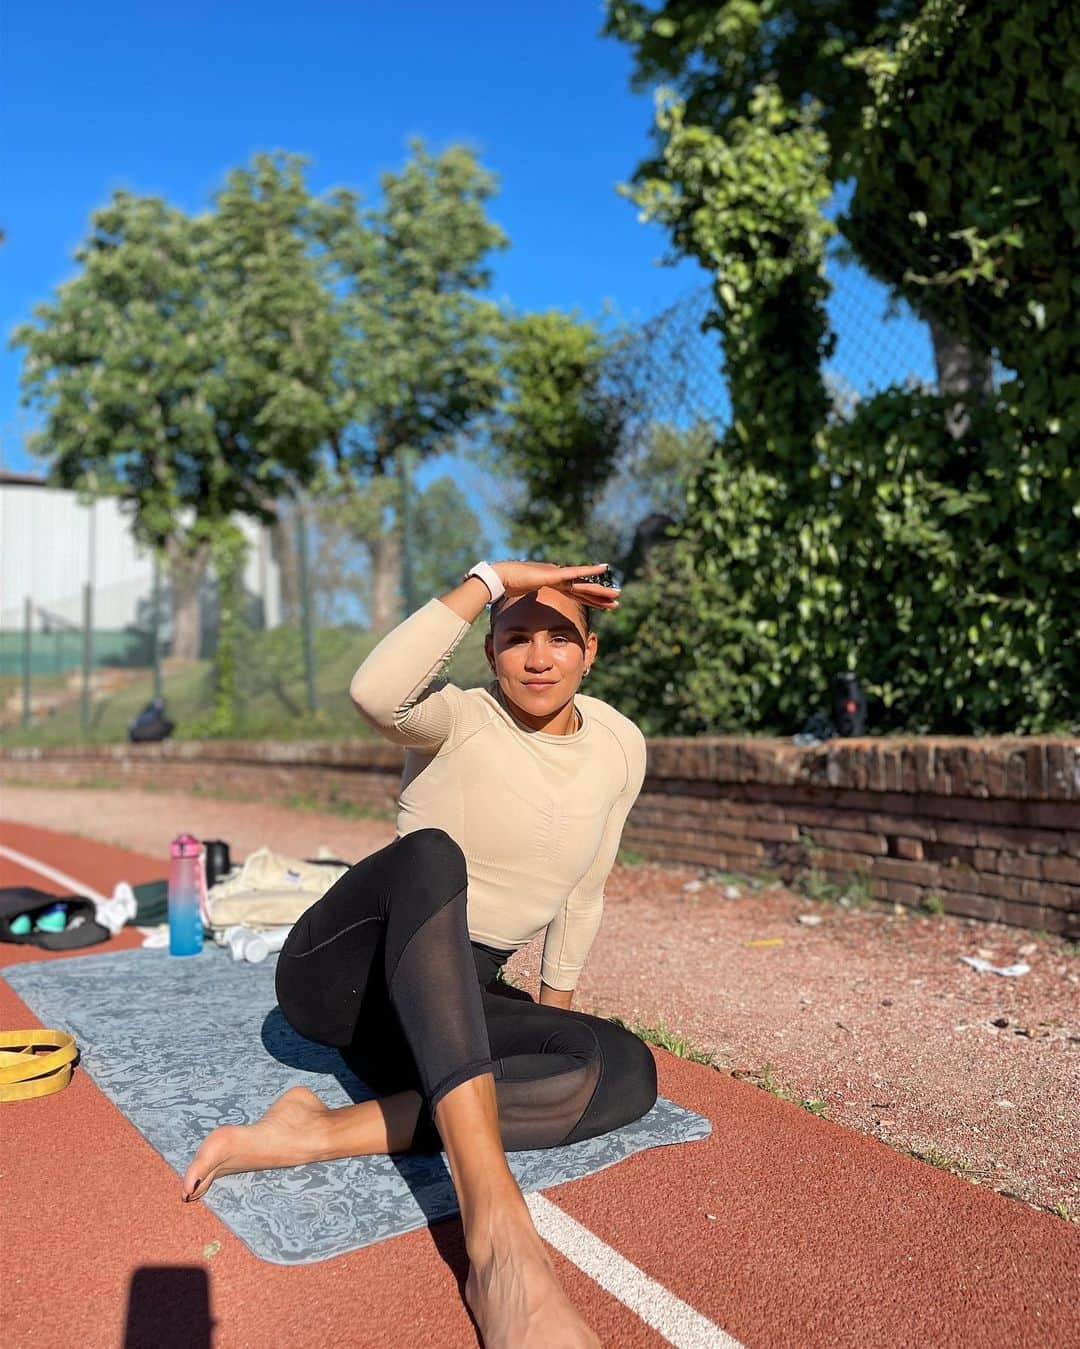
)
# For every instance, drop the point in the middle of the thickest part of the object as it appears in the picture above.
(556, 997)
(570, 933)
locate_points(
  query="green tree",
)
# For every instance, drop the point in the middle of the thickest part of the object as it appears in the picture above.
(557, 431)
(648, 492)
(930, 542)
(969, 167)
(718, 56)
(417, 360)
(449, 537)
(184, 368)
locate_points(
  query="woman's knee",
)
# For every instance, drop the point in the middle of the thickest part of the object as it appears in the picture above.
(630, 1069)
(627, 1087)
(434, 861)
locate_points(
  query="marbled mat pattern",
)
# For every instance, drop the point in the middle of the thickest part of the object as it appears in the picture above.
(184, 1045)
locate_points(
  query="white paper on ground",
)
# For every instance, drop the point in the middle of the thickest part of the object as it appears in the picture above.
(984, 967)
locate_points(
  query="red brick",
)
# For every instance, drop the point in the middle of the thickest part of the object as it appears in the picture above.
(851, 840)
(1062, 923)
(976, 774)
(960, 835)
(916, 873)
(779, 833)
(901, 893)
(1016, 774)
(969, 905)
(998, 887)
(910, 849)
(1063, 769)
(1064, 869)
(1031, 840)
(842, 861)
(909, 776)
(995, 774)
(1008, 863)
(900, 824)
(1022, 915)
(1037, 777)
(1053, 896)
(894, 802)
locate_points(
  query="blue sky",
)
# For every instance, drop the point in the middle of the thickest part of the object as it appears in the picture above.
(164, 99)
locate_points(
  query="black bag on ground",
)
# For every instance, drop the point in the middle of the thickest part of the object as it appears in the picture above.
(151, 723)
(82, 929)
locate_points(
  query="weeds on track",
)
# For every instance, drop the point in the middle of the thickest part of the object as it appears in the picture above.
(683, 1048)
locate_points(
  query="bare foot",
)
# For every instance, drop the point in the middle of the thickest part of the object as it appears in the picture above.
(517, 1301)
(286, 1135)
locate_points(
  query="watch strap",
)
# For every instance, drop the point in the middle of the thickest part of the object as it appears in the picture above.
(490, 577)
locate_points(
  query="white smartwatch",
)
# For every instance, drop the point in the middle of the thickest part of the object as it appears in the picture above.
(490, 578)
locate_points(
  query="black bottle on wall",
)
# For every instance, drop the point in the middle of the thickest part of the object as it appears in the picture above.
(849, 705)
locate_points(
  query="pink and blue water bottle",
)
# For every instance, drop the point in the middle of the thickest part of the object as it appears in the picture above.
(185, 891)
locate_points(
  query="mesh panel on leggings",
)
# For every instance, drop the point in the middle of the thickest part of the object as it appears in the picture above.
(432, 982)
(540, 1111)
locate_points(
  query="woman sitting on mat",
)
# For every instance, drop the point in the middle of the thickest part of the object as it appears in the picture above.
(512, 805)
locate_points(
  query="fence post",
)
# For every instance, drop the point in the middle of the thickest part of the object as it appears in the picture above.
(305, 603)
(156, 625)
(28, 627)
(404, 466)
(88, 653)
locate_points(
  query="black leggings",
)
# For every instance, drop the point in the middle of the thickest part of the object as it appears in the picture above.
(381, 967)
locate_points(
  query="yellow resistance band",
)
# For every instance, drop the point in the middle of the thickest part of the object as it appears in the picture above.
(24, 1073)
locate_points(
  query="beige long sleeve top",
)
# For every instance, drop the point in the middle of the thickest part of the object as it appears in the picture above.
(538, 816)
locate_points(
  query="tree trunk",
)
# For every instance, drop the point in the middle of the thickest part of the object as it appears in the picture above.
(385, 579)
(186, 571)
(283, 551)
(962, 370)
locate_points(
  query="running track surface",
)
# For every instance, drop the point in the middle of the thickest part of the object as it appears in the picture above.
(781, 1229)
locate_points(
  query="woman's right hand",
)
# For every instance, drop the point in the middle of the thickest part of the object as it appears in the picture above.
(521, 577)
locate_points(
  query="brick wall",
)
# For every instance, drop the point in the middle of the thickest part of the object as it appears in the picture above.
(992, 827)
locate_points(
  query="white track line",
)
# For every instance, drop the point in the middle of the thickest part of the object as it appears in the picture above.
(679, 1323)
(50, 873)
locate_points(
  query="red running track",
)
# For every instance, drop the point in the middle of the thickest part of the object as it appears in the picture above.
(781, 1228)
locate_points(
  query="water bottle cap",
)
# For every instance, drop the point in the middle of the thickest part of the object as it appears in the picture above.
(185, 845)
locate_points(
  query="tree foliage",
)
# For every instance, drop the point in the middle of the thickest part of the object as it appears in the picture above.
(557, 430)
(417, 356)
(936, 556)
(184, 368)
(717, 56)
(969, 167)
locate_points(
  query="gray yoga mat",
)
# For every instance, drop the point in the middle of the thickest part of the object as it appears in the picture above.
(184, 1045)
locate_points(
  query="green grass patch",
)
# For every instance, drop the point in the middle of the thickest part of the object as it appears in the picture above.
(933, 1156)
(667, 1039)
(272, 700)
(679, 1045)
(348, 810)
(628, 857)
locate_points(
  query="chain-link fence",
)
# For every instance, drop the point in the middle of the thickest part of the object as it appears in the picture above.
(83, 653)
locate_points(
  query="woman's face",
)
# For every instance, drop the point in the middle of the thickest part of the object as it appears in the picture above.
(539, 650)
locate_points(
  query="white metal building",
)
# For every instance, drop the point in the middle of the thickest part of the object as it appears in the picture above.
(52, 544)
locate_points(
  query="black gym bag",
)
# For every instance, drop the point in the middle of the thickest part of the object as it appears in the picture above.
(16, 899)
